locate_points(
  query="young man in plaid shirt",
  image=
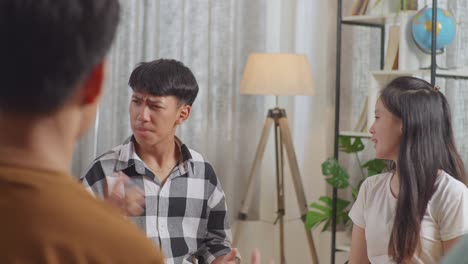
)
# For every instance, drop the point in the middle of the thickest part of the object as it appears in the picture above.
(166, 189)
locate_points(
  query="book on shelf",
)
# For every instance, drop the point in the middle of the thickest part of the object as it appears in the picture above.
(391, 56)
(374, 7)
(382, 7)
(359, 7)
(361, 125)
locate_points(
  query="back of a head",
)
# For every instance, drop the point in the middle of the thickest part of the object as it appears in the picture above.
(48, 46)
(165, 77)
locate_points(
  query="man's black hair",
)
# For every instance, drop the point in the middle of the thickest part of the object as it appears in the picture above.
(48, 46)
(165, 77)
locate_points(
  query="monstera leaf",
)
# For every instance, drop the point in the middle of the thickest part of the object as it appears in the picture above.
(321, 212)
(336, 175)
(355, 190)
(349, 144)
(374, 167)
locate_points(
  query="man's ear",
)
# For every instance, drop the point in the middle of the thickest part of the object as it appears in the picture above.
(184, 113)
(93, 84)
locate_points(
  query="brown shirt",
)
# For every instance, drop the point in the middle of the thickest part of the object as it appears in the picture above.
(46, 217)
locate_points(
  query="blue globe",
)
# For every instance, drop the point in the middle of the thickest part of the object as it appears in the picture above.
(422, 29)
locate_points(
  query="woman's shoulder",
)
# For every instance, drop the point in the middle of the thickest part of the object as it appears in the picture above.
(449, 206)
(377, 180)
(448, 186)
(375, 185)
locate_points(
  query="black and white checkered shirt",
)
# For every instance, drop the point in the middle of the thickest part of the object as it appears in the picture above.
(186, 216)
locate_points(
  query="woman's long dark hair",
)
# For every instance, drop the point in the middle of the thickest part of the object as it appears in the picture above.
(426, 146)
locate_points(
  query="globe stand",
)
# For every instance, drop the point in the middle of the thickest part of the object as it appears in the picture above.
(438, 52)
(437, 67)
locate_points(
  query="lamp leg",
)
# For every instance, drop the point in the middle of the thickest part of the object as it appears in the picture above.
(280, 188)
(251, 184)
(300, 194)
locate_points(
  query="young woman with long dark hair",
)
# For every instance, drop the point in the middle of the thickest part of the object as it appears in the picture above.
(415, 212)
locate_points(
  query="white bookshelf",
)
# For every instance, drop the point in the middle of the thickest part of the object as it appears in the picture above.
(456, 73)
(355, 134)
(344, 247)
(366, 19)
(378, 19)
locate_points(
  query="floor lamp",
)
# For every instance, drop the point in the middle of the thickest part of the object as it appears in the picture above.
(280, 75)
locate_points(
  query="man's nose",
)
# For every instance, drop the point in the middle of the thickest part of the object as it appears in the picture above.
(144, 114)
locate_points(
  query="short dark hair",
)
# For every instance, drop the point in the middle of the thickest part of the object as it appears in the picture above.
(165, 77)
(48, 46)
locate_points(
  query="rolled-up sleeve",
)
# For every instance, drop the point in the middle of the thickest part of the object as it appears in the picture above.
(217, 241)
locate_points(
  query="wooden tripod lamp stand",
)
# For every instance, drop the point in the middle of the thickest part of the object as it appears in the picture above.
(280, 75)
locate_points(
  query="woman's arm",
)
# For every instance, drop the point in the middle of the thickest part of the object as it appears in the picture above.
(358, 252)
(448, 244)
(457, 254)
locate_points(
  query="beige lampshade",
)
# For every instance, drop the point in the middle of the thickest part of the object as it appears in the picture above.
(277, 74)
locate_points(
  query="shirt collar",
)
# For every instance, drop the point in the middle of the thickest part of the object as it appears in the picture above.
(128, 157)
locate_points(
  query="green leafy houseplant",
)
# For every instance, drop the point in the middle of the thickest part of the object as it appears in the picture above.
(338, 177)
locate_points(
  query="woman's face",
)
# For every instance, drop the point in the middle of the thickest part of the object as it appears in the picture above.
(386, 133)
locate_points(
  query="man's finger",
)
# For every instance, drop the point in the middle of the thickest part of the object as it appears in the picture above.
(231, 256)
(119, 184)
(134, 210)
(117, 196)
(134, 193)
(255, 258)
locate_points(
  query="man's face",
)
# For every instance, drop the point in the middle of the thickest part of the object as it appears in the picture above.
(154, 119)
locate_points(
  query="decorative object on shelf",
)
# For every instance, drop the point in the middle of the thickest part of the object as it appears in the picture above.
(277, 74)
(392, 6)
(359, 7)
(361, 125)
(338, 177)
(406, 5)
(393, 43)
(422, 25)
